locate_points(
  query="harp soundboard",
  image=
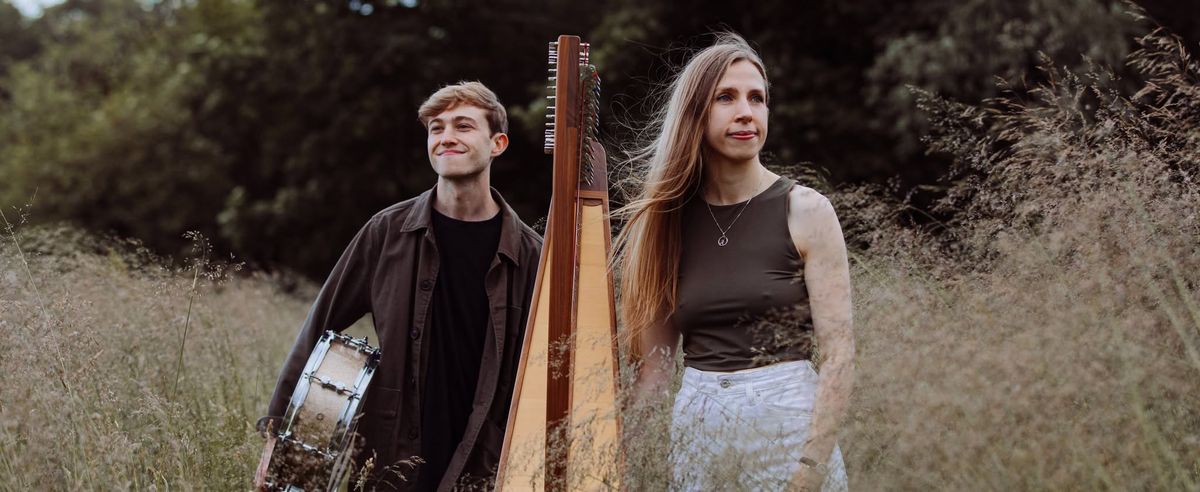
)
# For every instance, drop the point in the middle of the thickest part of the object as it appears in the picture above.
(563, 428)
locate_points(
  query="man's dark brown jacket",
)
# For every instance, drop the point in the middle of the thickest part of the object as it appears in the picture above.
(389, 270)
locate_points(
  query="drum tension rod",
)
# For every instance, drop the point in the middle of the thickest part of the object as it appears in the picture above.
(338, 387)
(360, 344)
(308, 447)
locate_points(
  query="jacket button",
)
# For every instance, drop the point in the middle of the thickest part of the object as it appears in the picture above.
(414, 333)
(413, 433)
(426, 284)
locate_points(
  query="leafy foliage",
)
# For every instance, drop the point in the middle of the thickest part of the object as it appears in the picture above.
(276, 128)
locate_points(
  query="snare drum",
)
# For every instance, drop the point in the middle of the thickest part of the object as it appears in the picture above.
(313, 448)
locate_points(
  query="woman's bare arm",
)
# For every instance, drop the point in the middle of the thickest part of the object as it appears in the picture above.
(658, 362)
(818, 236)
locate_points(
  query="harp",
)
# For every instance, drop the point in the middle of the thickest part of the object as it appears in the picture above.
(563, 426)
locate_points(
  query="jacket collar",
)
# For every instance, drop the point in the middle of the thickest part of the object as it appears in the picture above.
(510, 224)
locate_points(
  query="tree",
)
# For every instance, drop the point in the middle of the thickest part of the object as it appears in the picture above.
(97, 125)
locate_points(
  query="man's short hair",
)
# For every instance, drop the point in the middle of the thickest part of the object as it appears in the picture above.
(472, 93)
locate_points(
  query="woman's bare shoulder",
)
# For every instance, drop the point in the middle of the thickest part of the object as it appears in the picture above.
(805, 202)
(812, 220)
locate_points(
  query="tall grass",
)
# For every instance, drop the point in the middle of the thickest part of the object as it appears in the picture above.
(1049, 340)
(114, 320)
(1045, 338)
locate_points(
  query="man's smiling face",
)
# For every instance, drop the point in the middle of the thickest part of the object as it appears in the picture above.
(460, 143)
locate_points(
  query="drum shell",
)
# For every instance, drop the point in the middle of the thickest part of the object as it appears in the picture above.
(313, 448)
(324, 417)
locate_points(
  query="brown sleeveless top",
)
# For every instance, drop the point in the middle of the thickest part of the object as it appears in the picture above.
(744, 304)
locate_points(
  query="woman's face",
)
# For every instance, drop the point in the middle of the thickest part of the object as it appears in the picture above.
(737, 117)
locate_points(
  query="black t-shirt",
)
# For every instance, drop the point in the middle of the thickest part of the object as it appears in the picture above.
(458, 327)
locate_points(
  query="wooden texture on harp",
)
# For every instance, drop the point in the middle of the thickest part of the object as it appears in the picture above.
(564, 427)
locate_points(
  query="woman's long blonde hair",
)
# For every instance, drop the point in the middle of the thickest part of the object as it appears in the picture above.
(670, 169)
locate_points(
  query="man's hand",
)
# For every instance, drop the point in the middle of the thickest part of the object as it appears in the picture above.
(260, 475)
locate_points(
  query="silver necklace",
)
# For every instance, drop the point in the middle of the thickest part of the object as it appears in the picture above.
(724, 239)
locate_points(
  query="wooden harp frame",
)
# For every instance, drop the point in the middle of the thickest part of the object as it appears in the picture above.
(565, 409)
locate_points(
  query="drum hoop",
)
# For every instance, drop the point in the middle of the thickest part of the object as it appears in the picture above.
(341, 465)
(346, 425)
(302, 386)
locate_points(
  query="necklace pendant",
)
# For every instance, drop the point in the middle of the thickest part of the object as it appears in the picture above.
(722, 241)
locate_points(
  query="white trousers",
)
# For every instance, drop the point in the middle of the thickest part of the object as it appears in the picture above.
(745, 430)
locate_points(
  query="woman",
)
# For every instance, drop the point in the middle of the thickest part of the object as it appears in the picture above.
(715, 249)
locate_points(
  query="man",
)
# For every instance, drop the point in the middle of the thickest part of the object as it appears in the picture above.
(447, 277)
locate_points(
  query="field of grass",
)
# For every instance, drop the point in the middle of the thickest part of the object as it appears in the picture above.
(1048, 338)
(1054, 342)
(96, 395)
(1046, 373)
